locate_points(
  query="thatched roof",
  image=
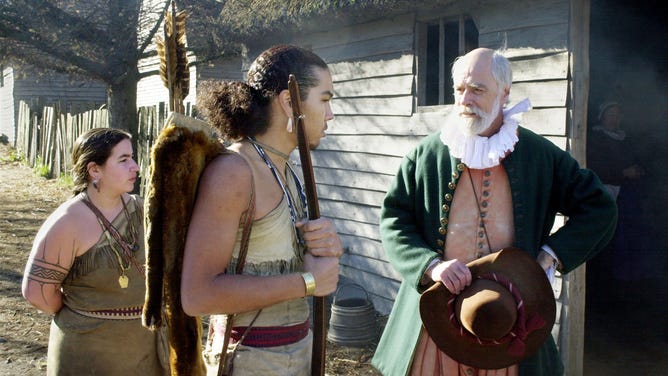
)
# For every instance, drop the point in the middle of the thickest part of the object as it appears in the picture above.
(251, 19)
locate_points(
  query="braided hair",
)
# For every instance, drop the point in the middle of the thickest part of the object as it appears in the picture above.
(240, 109)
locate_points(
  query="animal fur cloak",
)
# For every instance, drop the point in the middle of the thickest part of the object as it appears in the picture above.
(178, 158)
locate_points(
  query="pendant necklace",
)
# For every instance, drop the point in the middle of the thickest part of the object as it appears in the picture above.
(123, 279)
(127, 247)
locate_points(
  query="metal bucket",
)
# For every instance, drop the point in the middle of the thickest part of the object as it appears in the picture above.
(353, 319)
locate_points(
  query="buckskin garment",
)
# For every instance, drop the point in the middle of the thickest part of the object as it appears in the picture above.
(114, 342)
(272, 250)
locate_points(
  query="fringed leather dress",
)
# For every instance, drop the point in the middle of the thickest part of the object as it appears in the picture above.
(98, 331)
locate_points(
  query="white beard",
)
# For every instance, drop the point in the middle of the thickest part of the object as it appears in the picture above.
(476, 126)
(478, 151)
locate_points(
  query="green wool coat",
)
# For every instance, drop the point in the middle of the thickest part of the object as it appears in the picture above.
(544, 180)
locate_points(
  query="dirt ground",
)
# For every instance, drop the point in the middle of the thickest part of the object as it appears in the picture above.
(25, 201)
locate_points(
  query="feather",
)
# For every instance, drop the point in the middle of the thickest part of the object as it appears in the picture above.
(160, 47)
(182, 69)
(172, 52)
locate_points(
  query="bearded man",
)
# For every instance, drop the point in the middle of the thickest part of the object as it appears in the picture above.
(482, 184)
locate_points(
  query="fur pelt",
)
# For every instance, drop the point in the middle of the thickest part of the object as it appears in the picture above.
(178, 157)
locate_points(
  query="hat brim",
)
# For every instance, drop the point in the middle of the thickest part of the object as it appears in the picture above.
(526, 275)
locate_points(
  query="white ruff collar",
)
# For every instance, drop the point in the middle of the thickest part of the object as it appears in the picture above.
(480, 152)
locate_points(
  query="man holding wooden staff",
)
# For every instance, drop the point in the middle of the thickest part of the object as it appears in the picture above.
(260, 281)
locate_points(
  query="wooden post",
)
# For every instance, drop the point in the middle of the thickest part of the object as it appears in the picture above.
(571, 336)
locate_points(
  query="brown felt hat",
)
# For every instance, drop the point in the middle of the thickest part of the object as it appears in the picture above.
(503, 317)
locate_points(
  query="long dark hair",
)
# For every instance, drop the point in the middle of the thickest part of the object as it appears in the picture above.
(94, 145)
(240, 109)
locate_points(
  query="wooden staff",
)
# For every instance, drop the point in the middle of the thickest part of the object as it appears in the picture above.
(319, 328)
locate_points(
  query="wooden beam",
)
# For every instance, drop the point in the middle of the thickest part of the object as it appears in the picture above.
(571, 341)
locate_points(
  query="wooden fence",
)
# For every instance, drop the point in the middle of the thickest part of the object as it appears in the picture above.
(151, 122)
(46, 134)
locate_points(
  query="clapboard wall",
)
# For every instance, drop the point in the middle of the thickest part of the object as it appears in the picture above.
(151, 90)
(31, 84)
(377, 122)
(7, 119)
(377, 119)
(373, 71)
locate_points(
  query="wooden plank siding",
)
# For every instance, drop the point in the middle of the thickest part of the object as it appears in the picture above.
(46, 88)
(7, 107)
(151, 90)
(373, 73)
(228, 68)
(571, 338)
(364, 41)
(62, 91)
(62, 88)
(376, 121)
(524, 26)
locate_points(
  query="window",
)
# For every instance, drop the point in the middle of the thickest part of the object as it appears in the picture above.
(439, 43)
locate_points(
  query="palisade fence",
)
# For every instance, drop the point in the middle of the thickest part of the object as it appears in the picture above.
(151, 122)
(45, 134)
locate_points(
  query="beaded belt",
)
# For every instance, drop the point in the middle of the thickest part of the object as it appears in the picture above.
(270, 336)
(126, 313)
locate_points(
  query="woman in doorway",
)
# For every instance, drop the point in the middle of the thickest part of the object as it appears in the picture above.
(611, 154)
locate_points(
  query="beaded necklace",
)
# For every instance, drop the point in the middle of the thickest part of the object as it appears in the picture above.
(272, 149)
(300, 189)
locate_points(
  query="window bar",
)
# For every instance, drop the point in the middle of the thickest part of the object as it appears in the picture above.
(462, 39)
(441, 61)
